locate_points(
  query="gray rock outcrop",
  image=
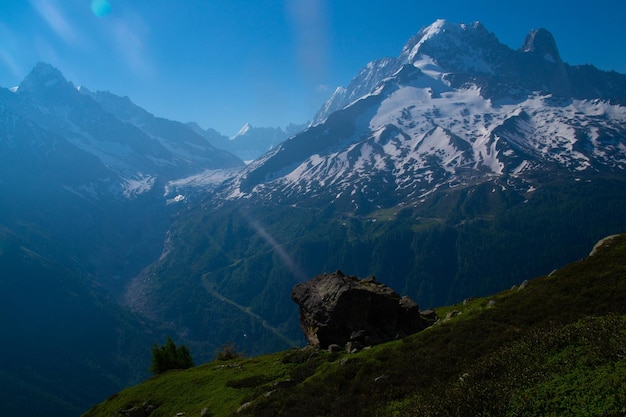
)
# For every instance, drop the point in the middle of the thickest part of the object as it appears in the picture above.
(140, 411)
(343, 310)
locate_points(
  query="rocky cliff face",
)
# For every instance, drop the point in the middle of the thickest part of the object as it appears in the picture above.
(336, 309)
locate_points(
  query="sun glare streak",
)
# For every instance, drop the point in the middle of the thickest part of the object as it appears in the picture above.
(310, 23)
(8, 52)
(50, 12)
(8, 61)
(277, 248)
(129, 36)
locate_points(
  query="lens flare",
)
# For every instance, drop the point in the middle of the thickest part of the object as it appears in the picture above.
(100, 8)
(278, 248)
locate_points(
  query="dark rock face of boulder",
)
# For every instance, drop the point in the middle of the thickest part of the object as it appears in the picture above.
(339, 309)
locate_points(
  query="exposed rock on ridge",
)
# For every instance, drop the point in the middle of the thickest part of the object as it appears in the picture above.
(336, 309)
(541, 41)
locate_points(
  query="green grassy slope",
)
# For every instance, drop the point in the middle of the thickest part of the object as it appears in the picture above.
(555, 347)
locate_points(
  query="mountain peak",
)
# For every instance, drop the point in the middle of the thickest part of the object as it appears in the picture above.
(454, 43)
(42, 76)
(244, 129)
(438, 27)
(541, 41)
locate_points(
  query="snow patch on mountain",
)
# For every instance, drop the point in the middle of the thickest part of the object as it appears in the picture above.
(244, 129)
(204, 181)
(132, 187)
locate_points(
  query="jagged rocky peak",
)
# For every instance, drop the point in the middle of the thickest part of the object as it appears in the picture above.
(452, 47)
(541, 41)
(440, 26)
(443, 38)
(43, 76)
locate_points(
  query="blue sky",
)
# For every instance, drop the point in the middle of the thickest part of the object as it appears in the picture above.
(222, 63)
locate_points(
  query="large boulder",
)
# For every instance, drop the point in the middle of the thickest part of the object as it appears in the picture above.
(336, 309)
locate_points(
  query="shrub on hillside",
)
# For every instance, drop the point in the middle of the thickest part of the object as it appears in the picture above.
(228, 352)
(169, 356)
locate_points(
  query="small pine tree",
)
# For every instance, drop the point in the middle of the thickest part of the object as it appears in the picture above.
(169, 356)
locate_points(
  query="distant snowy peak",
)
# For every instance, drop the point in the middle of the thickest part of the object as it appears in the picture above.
(438, 28)
(244, 129)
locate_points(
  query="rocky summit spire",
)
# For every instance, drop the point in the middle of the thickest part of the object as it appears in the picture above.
(455, 47)
(541, 41)
(42, 76)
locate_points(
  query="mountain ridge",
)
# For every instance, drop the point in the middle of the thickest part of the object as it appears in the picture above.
(433, 40)
(129, 141)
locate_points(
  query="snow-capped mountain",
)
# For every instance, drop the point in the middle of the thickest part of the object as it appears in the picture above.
(457, 107)
(89, 171)
(471, 54)
(137, 148)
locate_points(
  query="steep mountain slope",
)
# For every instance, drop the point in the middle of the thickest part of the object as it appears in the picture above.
(82, 210)
(455, 170)
(135, 145)
(50, 186)
(552, 345)
(187, 148)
